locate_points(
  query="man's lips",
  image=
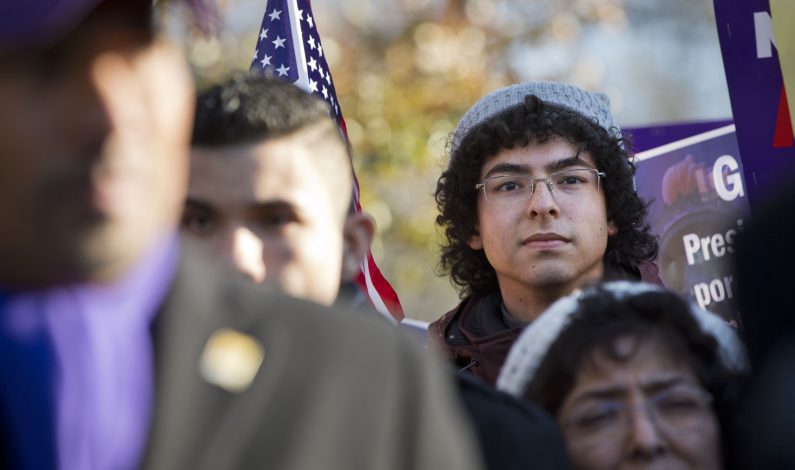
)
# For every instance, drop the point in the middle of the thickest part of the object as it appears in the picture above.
(545, 241)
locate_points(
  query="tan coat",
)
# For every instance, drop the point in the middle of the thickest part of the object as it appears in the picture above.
(334, 391)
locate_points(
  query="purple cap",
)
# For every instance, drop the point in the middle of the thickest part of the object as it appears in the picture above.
(39, 22)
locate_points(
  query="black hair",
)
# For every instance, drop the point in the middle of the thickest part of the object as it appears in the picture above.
(253, 107)
(535, 121)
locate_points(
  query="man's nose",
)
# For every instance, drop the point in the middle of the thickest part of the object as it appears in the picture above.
(541, 202)
(109, 101)
(246, 254)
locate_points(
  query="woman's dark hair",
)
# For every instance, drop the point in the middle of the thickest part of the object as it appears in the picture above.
(535, 121)
(602, 319)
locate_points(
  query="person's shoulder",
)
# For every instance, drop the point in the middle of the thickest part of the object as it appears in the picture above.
(318, 323)
(307, 333)
(318, 370)
(501, 405)
(323, 331)
(513, 433)
(437, 328)
(227, 296)
(308, 346)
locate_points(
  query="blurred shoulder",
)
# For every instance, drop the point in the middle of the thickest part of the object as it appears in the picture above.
(217, 297)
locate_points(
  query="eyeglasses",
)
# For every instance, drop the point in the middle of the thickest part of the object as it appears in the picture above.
(572, 182)
(678, 409)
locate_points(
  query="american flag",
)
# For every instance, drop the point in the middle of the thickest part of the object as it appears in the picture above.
(289, 47)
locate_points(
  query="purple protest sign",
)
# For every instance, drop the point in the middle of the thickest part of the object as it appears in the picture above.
(758, 98)
(648, 137)
(698, 206)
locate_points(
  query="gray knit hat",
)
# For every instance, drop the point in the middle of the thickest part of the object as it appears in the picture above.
(530, 349)
(593, 106)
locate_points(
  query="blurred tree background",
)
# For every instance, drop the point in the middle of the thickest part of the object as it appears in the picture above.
(406, 70)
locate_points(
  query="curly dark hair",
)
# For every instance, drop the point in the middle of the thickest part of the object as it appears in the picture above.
(602, 318)
(536, 121)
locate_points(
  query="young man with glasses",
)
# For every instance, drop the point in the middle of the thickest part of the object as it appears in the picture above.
(538, 200)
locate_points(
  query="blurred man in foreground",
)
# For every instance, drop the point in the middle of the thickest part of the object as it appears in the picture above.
(117, 351)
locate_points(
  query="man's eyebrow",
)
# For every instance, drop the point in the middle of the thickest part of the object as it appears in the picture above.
(271, 205)
(522, 169)
(197, 204)
(567, 163)
(507, 167)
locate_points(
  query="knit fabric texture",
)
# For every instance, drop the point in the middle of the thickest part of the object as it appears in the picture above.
(593, 106)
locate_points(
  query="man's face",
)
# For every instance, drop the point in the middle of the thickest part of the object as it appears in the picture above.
(549, 242)
(95, 136)
(266, 211)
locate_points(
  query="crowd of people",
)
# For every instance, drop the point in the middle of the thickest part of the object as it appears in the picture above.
(177, 267)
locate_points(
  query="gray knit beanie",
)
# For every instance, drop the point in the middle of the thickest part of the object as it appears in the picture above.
(593, 106)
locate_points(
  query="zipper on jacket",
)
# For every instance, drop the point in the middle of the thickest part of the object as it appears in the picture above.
(471, 364)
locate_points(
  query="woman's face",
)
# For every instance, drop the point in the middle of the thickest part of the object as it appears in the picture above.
(646, 412)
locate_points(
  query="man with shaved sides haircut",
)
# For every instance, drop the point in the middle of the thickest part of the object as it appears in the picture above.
(270, 188)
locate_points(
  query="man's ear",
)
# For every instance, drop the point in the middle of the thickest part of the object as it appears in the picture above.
(612, 229)
(357, 235)
(475, 242)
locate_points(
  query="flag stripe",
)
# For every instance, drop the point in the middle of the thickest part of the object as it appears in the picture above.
(372, 292)
(300, 56)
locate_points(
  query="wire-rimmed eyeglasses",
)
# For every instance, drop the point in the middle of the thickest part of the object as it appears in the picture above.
(675, 410)
(569, 182)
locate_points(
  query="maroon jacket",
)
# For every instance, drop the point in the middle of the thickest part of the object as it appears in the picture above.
(474, 336)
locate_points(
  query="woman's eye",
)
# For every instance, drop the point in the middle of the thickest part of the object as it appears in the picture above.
(597, 418)
(679, 403)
